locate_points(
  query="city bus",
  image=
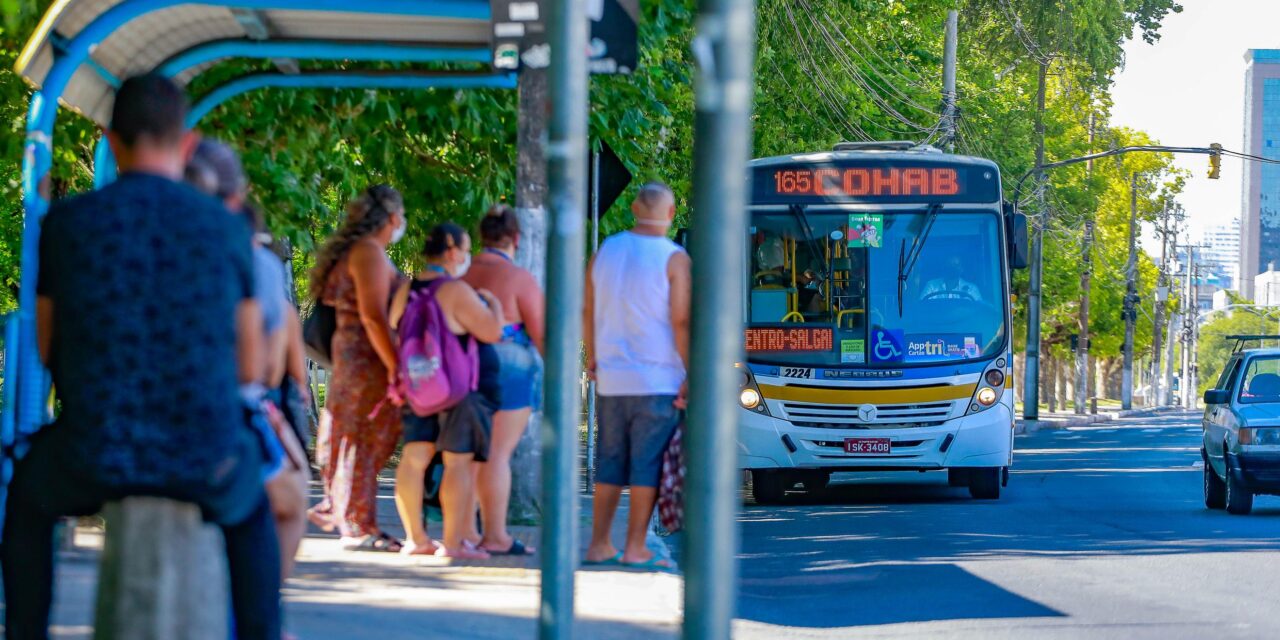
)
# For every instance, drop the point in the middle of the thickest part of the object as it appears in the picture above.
(877, 318)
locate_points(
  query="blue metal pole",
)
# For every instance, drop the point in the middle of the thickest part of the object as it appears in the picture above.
(346, 80)
(566, 154)
(104, 163)
(724, 52)
(317, 50)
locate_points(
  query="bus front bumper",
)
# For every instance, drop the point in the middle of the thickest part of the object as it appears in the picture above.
(982, 439)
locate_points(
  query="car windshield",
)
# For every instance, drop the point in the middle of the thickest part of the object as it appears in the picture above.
(825, 288)
(1261, 381)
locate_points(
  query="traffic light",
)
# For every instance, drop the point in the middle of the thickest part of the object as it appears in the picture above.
(1215, 161)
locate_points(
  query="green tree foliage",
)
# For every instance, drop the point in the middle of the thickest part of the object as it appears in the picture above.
(1214, 349)
(827, 71)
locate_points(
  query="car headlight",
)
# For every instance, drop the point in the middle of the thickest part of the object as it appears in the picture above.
(1270, 435)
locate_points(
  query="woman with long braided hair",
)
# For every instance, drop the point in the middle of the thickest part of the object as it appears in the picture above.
(354, 274)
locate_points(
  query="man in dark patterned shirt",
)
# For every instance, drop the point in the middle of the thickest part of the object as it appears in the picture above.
(145, 314)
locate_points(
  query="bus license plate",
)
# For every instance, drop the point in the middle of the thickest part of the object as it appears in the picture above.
(874, 446)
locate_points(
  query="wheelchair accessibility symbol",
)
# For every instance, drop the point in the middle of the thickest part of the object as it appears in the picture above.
(887, 346)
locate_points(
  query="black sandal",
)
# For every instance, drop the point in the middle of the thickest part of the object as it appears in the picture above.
(517, 549)
(380, 542)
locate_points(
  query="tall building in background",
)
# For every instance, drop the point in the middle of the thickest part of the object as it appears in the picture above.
(1221, 253)
(1260, 228)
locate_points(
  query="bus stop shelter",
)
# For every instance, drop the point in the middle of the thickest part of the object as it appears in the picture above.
(81, 50)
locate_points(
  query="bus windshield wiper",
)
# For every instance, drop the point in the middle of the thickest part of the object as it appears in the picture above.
(908, 261)
(803, 220)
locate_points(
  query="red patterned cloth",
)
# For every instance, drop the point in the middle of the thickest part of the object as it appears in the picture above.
(671, 484)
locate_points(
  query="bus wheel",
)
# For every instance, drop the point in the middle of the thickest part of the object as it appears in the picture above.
(958, 477)
(984, 483)
(769, 487)
(815, 481)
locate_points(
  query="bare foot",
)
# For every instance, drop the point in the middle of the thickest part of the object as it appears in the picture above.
(428, 548)
(601, 553)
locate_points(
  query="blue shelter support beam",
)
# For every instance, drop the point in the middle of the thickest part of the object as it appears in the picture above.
(347, 80)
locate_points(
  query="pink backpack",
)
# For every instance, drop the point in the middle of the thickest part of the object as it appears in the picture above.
(436, 370)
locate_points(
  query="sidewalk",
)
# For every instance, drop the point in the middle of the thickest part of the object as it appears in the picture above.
(336, 594)
(1067, 419)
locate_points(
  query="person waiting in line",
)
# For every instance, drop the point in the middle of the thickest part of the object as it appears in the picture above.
(215, 170)
(519, 366)
(461, 433)
(147, 321)
(636, 333)
(949, 285)
(355, 276)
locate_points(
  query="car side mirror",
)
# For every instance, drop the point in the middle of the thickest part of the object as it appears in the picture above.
(1217, 396)
(1019, 244)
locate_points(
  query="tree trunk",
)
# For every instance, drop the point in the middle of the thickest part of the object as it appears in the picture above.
(531, 191)
(1064, 375)
(1050, 378)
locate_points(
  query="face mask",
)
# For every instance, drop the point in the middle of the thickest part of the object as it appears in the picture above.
(399, 232)
(461, 270)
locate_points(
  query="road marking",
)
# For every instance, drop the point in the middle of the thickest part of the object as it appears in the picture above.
(1198, 464)
(1152, 430)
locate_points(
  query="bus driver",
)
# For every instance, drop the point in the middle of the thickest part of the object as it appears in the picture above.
(950, 286)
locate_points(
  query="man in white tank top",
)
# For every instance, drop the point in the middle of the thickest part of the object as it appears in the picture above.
(637, 337)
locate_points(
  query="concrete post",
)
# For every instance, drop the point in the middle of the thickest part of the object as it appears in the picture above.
(163, 574)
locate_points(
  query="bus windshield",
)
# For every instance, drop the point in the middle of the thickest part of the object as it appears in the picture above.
(831, 288)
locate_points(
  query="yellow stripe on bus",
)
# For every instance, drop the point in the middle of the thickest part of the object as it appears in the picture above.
(864, 396)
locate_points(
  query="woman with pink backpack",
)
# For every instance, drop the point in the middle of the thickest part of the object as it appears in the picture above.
(439, 320)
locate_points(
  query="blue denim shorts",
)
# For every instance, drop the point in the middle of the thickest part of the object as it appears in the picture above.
(519, 372)
(634, 432)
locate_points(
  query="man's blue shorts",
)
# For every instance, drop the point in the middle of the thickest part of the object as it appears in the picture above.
(634, 432)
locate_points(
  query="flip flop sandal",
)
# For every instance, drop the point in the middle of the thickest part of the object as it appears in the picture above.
(652, 564)
(465, 553)
(614, 561)
(380, 542)
(517, 549)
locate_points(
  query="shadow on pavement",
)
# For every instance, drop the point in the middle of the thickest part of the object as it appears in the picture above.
(885, 548)
(882, 594)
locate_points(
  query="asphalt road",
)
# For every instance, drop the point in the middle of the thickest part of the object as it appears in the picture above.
(1101, 533)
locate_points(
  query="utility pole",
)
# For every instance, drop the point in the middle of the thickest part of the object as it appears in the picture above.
(566, 157)
(724, 57)
(1188, 321)
(1130, 295)
(1162, 295)
(1086, 273)
(1031, 384)
(949, 79)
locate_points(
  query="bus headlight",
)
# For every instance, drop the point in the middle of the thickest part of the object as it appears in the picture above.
(749, 395)
(986, 396)
(995, 377)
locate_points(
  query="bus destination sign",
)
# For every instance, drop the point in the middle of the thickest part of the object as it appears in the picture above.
(816, 183)
(789, 339)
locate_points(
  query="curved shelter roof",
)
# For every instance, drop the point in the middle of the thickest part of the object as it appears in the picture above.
(155, 31)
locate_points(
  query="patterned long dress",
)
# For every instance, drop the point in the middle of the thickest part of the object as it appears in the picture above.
(357, 446)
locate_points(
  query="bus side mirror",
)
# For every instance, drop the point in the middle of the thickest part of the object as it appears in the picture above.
(1019, 245)
(682, 237)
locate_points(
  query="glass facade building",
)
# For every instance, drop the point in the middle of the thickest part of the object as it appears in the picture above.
(1260, 226)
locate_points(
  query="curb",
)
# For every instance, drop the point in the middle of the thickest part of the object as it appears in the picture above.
(1020, 427)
